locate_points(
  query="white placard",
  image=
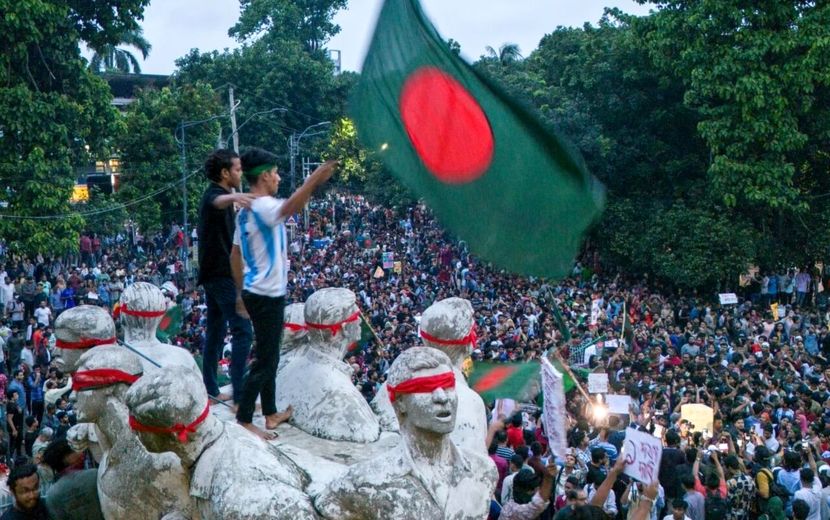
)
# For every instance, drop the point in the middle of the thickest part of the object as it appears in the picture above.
(598, 383)
(701, 416)
(610, 344)
(596, 309)
(553, 413)
(504, 409)
(618, 403)
(728, 298)
(658, 431)
(642, 454)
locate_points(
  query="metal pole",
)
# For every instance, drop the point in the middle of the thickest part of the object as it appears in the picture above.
(184, 202)
(292, 153)
(233, 121)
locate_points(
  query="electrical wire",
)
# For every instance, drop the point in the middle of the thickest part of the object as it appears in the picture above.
(115, 207)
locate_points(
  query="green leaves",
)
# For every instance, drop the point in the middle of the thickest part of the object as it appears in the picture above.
(151, 156)
(306, 21)
(54, 114)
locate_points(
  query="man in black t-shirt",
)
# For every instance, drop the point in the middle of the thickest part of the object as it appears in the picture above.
(224, 302)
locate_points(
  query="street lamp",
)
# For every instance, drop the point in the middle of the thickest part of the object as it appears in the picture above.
(235, 133)
(294, 148)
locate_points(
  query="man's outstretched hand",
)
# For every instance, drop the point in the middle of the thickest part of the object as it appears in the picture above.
(324, 171)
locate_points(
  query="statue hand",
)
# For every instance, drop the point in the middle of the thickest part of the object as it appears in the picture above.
(78, 437)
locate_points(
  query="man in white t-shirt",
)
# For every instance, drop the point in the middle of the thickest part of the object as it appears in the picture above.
(259, 264)
(810, 493)
(43, 314)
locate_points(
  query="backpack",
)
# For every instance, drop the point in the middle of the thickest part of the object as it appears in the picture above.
(715, 506)
(776, 489)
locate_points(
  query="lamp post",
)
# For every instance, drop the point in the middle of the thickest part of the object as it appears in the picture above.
(235, 133)
(294, 149)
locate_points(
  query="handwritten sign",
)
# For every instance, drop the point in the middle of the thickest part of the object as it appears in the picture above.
(618, 404)
(701, 416)
(728, 298)
(598, 383)
(642, 454)
(388, 259)
(596, 310)
(553, 414)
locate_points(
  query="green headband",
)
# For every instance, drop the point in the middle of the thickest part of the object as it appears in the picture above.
(262, 168)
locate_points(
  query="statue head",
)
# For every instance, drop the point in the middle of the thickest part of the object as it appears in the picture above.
(421, 385)
(333, 318)
(103, 372)
(448, 326)
(294, 333)
(142, 306)
(168, 409)
(79, 329)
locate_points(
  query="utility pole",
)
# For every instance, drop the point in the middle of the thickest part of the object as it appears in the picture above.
(234, 133)
(184, 202)
(292, 154)
(294, 148)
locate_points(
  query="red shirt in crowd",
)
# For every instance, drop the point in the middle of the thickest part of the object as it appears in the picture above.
(515, 436)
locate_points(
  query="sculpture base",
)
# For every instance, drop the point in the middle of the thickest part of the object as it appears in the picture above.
(323, 459)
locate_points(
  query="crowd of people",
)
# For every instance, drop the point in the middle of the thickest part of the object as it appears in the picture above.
(763, 370)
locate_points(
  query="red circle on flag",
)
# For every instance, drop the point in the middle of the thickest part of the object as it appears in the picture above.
(446, 125)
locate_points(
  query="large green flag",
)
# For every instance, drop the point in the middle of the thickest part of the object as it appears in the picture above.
(491, 171)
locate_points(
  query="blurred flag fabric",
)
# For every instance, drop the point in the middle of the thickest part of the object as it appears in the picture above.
(518, 381)
(170, 325)
(489, 169)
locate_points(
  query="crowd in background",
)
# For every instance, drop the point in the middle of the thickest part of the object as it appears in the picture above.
(766, 376)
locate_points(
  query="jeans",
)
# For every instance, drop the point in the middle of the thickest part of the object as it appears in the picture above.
(267, 315)
(220, 294)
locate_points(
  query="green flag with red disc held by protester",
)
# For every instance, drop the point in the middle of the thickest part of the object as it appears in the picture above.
(489, 169)
(519, 381)
(170, 325)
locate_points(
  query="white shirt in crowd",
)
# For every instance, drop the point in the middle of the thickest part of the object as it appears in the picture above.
(260, 235)
(812, 496)
(43, 315)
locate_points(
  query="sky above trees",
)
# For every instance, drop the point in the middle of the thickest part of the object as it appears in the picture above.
(173, 28)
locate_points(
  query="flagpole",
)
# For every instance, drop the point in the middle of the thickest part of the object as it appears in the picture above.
(155, 363)
(372, 329)
(570, 373)
(622, 333)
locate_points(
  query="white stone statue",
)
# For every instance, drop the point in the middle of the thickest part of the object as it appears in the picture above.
(142, 306)
(132, 483)
(294, 334)
(448, 326)
(426, 476)
(317, 382)
(79, 329)
(233, 474)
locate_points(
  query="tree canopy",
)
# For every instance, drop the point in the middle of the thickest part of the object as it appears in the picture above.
(54, 113)
(706, 121)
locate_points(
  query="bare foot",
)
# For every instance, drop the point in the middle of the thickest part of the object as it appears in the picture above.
(274, 420)
(259, 432)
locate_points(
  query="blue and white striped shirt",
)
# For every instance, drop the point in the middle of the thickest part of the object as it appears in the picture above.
(260, 235)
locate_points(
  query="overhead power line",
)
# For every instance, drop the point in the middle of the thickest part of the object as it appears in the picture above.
(114, 207)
